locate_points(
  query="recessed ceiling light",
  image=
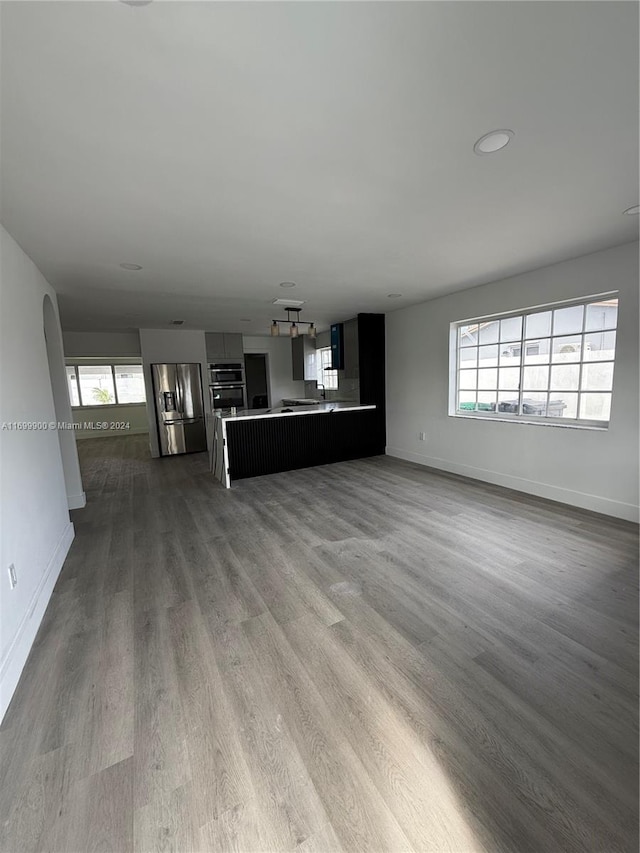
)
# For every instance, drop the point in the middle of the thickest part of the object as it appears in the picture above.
(136, 2)
(493, 141)
(393, 295)
(633, 211)
(287, 284)
(131, 266)
(177, 322)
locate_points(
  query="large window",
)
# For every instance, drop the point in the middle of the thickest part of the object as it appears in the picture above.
(105, 384)
(553, 365)
(326, 376)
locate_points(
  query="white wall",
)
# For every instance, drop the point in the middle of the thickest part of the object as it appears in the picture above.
(166, 346)
(133, 414)
(101, 344)
(597, 470)
(35, 530)
(279, 365)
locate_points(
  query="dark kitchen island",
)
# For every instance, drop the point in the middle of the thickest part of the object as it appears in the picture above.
(253, 443)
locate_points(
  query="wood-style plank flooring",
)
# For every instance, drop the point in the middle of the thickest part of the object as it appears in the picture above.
(367, 656)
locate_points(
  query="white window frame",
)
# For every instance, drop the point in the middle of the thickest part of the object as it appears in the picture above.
(329, 377)
(520, 417)
(98, 363)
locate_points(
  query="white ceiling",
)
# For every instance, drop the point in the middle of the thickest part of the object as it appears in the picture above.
(227, 147)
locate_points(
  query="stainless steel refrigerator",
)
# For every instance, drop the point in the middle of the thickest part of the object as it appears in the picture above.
(179, 408)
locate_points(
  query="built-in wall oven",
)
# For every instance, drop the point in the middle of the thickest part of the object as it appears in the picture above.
(227, 385)
(226, 396)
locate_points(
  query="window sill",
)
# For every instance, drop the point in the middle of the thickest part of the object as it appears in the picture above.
(109, 406)
(529, 421)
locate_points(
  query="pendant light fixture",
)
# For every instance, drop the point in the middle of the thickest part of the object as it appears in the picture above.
(294, 324)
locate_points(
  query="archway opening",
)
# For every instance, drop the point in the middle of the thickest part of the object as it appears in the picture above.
(62, 407)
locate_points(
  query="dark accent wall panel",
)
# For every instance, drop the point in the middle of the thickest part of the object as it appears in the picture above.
(268, 445)
(371, 357)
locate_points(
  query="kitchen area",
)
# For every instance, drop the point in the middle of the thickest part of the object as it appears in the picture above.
(340, 418)
(262, 404)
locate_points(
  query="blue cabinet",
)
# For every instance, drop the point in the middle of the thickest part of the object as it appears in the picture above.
(337, 346)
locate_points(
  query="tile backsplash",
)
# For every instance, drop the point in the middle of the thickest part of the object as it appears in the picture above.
(348, 389)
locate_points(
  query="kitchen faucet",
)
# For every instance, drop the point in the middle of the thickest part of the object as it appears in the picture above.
(324, 390)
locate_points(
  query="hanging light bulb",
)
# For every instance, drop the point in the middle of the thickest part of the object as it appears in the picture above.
(293, 330)
(312, 331)
(275, 329)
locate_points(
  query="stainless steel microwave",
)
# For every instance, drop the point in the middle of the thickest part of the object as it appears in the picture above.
(226, 374)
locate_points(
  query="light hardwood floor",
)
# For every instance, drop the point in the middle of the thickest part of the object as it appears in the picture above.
(362, 656)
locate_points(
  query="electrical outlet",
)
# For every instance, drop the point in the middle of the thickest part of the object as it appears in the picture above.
(422, 436)
(13, 576)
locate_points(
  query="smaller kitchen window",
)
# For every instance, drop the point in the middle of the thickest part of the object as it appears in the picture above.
(326, 376)
(93, 385)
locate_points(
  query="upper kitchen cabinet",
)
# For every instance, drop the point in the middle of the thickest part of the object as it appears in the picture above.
(223, 346)
(351, 358)
(363, 350)
(214, 342)
(303, 358)
(233, 347)
(337, 346)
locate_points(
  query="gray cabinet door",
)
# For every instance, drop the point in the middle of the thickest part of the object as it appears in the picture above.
(303, 358)
(351, 359)
(214, 342)
(233, 345)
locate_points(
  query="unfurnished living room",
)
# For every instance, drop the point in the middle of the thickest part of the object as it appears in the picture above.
(319, 427)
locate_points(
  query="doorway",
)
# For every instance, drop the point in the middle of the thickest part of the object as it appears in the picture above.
(255, 371)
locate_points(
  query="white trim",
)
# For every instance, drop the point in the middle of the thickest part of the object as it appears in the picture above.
(97, 361)
(595, 503)
(16, 655)
(598, 426)
(108, 433)
(77, 501)
(108, 405)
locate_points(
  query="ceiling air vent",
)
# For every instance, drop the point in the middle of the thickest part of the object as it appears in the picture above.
(294, 303)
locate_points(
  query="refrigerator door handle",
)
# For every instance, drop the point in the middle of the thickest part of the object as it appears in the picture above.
(179, 392)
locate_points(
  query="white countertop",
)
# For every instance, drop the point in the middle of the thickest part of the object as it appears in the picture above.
(310, 401)
(321, 409)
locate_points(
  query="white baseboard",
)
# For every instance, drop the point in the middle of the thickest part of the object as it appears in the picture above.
(77, 501)
(595, 503)
(113, 433)
(16, 655)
